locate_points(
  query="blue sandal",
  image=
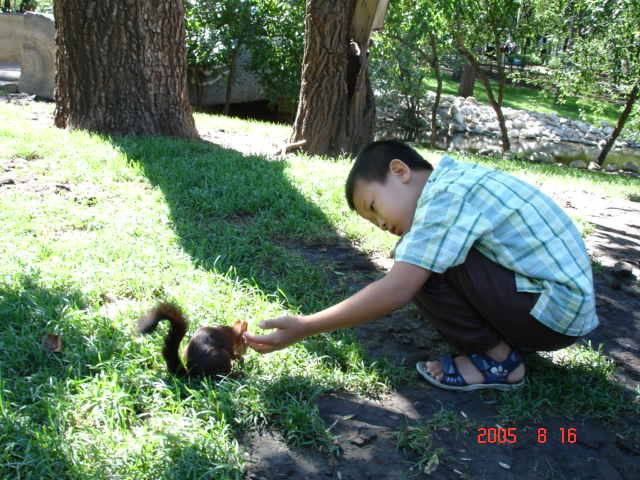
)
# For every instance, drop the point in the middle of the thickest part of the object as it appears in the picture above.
(495, 373)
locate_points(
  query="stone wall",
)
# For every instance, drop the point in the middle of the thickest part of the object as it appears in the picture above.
(29, 40)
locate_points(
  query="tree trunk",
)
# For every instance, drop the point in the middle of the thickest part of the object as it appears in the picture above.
(506, 144)
(631, 100)
(121, 67)
(435, 65)
(467, 80)
(231, 77)
(336, 111)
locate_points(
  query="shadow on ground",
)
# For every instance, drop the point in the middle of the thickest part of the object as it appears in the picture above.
(218, 201)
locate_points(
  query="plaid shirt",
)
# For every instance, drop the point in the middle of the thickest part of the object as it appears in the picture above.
(513, 224)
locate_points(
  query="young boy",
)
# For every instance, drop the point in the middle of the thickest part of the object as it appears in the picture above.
(494, 264)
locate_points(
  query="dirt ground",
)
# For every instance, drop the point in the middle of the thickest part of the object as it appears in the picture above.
(366, 429)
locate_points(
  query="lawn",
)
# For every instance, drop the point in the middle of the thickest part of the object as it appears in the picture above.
(96, 230)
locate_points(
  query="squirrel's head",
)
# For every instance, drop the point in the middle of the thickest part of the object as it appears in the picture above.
(239, 346)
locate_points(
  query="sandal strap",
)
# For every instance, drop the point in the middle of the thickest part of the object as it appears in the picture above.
(452, 375)
(493, 371)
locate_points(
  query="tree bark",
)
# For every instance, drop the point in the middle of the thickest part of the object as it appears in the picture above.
(467, 80)
(435, 65)
(336, 110)
(231, 77)
(121, 67)
(631, 100)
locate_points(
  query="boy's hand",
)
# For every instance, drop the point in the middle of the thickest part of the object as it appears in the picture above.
(290, 330)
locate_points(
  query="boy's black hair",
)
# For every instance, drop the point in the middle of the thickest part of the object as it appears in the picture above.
(372, 163)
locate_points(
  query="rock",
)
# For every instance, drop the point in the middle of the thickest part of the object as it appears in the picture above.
(594, 166)
(363, 437)
(7, 181)
(610, 167)
(623, 270)
(578, 164)
(457, 117)
(630, 167)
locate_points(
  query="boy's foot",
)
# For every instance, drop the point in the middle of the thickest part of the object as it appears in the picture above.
(496, 369)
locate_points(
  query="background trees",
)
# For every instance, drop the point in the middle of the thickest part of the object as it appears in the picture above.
(599, 56)
(584, 48)
(405, 55)
(217, 33)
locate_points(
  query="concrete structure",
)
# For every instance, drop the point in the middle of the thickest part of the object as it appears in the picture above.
(28, 40)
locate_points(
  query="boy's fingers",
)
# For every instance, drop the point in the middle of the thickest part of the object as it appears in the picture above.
(280, 322)
(257, 339)
(260, 348)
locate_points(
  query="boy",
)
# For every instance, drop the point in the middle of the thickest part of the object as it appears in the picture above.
(493, 263)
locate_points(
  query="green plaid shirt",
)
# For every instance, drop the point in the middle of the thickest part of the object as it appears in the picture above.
(515, 225)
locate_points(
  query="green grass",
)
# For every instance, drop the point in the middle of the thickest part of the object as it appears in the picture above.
(524, 98)
(97, 229)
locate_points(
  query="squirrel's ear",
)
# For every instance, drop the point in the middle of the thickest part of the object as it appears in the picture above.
(239, 327)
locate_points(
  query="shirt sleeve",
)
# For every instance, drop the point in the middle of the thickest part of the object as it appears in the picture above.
(444, 228)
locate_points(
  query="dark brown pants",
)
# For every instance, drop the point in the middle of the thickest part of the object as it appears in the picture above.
(475, 305)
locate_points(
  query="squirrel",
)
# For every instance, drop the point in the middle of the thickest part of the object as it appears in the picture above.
(209, 352)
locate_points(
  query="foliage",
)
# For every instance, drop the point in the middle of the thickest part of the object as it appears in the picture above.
(216, 33)
(270, 30)
(401, 65)
(277, 52)
(22, 5)
(602, 61)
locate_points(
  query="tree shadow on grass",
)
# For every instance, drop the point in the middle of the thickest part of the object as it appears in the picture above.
(239, 213)
(34, 380)
(233, 211)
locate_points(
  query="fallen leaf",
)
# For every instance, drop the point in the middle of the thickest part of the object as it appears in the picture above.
(51, 342)
(506, 466)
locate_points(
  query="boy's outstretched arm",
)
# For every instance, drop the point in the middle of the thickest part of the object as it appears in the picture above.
(377, 299)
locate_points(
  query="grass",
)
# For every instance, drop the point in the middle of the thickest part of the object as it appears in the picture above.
(97, 229)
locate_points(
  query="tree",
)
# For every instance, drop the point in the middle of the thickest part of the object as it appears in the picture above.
(121, 67)
(476, 24)
(336, 110)
(217, 32)
(602, 61)
(277, 53)
(406, 53)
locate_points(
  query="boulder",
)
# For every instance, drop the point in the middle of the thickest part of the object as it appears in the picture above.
(38, 55)
(578, 164)
(630, 167)
(29, 40)
(594, 166)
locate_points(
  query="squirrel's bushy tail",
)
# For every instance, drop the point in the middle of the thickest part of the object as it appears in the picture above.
(149, 322)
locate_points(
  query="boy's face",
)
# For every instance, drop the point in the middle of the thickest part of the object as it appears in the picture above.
(390, 205)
